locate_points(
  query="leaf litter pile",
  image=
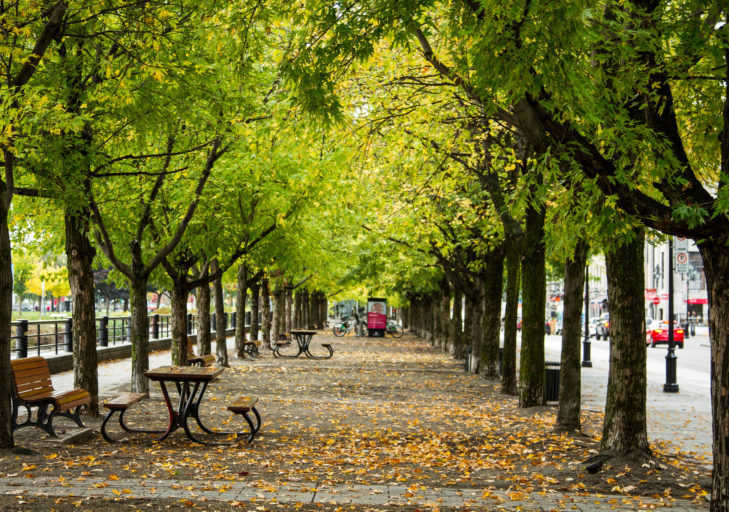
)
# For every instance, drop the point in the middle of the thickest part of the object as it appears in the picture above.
(381, 411)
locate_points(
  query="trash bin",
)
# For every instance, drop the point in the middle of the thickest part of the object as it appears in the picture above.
(551, 381)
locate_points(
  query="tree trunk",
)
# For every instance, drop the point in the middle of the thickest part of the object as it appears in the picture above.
(6, 305)
(221, 338)
(140, 333)
(716, 269)
(493, 287)
(508, 364)
(445, 318)
(531, 367)
(276, 316)
(178, 321)
(265, 313)
(624, 429)
(255, 303)
(570, 384)
(288, 310)
(467, 327)
(457, 323)
(476, 327)
(203, 319)
(240, 308)
(79, 258)
(297, 310)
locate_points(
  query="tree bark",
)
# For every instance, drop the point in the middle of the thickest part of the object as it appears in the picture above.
(531, 367)
(6, 305)
(624, 428)
(221, 338)
(240, 308)
(570, 383)
(493, 287)
(476, 334)
(140, 333)
(203, 319)
(445, 318)
(79, 258)
(178, 321)
(508, 364)
(265, 313)
(276, 317)
(716, 269)
(288, 310)
(255, 303)
(457, 323)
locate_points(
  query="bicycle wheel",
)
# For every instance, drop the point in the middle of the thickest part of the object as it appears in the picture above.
(395, 331)
(339, 331)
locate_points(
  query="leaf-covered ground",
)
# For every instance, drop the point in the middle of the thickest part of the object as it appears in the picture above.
(380, 411)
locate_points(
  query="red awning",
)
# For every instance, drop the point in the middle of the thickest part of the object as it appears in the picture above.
(697, 301)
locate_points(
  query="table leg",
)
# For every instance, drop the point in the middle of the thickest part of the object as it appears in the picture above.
(174, 422)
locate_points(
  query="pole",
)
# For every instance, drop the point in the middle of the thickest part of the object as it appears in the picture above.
(586, 363)
(670, 386)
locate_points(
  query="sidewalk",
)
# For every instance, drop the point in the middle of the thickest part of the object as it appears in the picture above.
(384, 425)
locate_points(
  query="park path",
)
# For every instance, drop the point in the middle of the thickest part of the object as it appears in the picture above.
(383, 424)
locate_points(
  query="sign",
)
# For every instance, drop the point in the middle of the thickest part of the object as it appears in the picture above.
(680, 244)
(681, 262)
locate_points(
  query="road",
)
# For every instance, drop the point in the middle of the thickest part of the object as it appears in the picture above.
(682, 419)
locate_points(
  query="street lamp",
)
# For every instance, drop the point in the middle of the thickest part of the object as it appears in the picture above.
(586, 363)
(670, 386)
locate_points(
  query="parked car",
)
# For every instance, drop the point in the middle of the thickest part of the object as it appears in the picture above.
(602, 327)
(547, 327)
(657, 333)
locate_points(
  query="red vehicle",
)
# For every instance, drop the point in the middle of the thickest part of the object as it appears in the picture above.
(657, 333)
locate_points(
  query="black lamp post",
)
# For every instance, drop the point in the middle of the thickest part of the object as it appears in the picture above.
(670, 386)
(586, 363)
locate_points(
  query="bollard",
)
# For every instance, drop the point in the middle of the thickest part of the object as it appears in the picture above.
(69, 335)
(104, 331)
(551, 381)
(23, 339)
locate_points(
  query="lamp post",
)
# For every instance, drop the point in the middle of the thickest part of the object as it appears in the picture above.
(586, 363)
(670, 386)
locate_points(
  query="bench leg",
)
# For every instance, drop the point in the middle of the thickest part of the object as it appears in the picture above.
(253, 427)
(106, 420)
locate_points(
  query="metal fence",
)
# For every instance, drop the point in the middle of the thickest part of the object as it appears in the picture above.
(56, 336)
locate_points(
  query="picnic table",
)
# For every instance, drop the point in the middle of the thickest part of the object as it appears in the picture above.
(303, 341)
(191, 383)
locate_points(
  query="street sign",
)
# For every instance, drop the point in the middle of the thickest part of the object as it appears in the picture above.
(680, 244)
(681, 262)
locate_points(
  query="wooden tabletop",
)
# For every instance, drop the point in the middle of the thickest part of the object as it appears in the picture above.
(184, 373)
(303, 332)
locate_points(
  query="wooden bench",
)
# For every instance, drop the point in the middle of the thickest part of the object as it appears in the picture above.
(243, 405)
(32, 389)
(120, 404)
(204, 360)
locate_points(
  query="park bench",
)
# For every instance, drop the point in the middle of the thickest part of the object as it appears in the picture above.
(32, 389)
(243, 405)
(120, 404)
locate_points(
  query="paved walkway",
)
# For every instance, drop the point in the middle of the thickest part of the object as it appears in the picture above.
(114, 376)
(298, 494)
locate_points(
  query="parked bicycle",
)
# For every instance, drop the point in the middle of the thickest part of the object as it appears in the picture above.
(394, 330)
(347, 326)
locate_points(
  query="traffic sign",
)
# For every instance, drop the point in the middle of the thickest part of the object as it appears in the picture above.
(681, 262)
(680, 244)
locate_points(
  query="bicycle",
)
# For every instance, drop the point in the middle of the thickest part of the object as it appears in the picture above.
(393, 330)
(345, 327)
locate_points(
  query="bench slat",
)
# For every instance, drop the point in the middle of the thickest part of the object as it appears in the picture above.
(124, 400)
(243, 404)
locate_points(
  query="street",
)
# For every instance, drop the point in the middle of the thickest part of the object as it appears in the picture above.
(682, 419)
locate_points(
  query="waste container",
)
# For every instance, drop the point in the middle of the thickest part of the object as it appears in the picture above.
(551, 381)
